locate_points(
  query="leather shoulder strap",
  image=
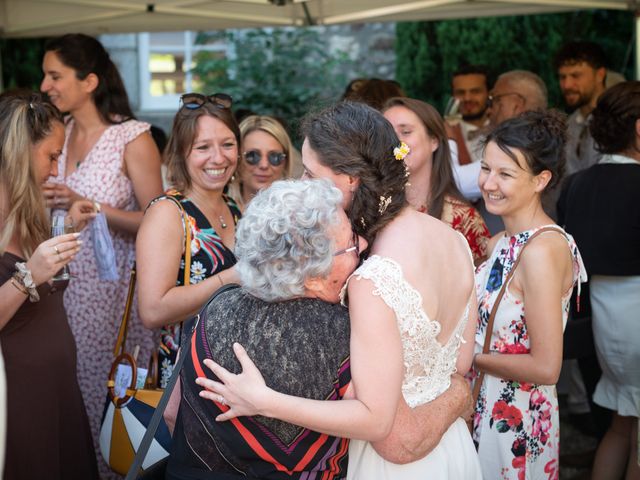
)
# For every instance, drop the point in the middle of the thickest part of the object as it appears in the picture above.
(121, 339)
(494, 310)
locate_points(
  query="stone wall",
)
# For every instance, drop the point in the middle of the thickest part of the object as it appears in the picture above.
(370, 46)
(123, 49)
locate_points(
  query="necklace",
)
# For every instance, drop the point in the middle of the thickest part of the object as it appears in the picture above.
(213, 213)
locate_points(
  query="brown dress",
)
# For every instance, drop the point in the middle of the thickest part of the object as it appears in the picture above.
(48, 432)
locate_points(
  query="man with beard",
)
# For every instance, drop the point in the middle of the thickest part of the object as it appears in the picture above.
(581, 73)
(470, 86)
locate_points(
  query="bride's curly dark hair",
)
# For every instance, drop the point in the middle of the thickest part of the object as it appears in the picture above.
(356, 140)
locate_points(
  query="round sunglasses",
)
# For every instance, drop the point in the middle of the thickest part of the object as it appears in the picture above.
(252, 157)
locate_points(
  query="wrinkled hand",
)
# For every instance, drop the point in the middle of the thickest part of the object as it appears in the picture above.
(51, 255)
(58, 195)
(466, 405)
(81, 212)
(244, 393)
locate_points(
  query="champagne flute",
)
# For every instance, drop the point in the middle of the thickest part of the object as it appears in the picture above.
(58, 227)
(452, 113)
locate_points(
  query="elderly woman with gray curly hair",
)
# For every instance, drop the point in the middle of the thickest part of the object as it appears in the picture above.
(295, 250)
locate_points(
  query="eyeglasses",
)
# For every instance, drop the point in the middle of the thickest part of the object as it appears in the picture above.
(494, 99)
(354, 248)
(193, 101)
(252, 157)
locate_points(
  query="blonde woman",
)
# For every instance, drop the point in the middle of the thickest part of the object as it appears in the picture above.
(47, 428)
(265, 158)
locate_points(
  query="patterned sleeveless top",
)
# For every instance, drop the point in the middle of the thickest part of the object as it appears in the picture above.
(209, 256)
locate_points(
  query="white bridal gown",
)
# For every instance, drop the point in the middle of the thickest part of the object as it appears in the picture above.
(428, 369)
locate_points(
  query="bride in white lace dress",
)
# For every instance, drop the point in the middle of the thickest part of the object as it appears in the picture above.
(409, 304)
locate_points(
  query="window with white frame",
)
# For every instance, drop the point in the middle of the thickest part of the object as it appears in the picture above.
(166, 60)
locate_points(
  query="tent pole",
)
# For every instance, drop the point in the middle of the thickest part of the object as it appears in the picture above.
(637, 36)
(1, 79)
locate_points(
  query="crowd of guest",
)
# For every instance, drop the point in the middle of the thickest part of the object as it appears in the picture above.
(461, 245)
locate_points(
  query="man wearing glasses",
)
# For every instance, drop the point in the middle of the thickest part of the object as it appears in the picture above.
(515, 92)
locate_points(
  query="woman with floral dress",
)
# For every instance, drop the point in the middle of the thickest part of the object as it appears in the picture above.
(515, 425)
(110, 158)
(201, 156)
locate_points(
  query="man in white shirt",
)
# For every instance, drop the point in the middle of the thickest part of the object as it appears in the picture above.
(470, 87)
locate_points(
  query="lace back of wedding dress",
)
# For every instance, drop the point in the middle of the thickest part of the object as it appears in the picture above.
(428, 364)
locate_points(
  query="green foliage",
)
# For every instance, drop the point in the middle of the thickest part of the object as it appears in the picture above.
(429, 52)
(281, 72)
(22, 62)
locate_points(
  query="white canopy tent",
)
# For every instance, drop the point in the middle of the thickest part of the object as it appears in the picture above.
(38, 18)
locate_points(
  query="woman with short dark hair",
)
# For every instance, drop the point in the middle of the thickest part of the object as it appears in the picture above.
(516, 424)
(600, 206)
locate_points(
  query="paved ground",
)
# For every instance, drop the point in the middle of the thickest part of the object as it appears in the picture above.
(576, 450)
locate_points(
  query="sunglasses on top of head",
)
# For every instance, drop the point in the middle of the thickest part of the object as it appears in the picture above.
(193, 101)
(252, 157)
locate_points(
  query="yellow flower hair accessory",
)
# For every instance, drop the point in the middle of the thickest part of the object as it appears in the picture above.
(401, 151)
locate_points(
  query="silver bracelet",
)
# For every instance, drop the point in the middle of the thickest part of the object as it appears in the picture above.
(23, 275)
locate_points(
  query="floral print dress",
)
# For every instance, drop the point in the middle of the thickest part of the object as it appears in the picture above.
(465, 219)
(94, 307)
(209, 256)
(516, 426)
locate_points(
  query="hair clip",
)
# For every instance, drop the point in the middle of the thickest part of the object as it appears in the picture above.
(363, 223)
(384, 203)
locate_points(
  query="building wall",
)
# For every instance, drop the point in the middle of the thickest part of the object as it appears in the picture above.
(370, 46)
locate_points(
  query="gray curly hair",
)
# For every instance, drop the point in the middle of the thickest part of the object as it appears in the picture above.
(283, 238)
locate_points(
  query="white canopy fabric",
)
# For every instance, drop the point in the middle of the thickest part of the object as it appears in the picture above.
(37, 18)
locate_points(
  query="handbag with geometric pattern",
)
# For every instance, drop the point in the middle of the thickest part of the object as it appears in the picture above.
(126, 417)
